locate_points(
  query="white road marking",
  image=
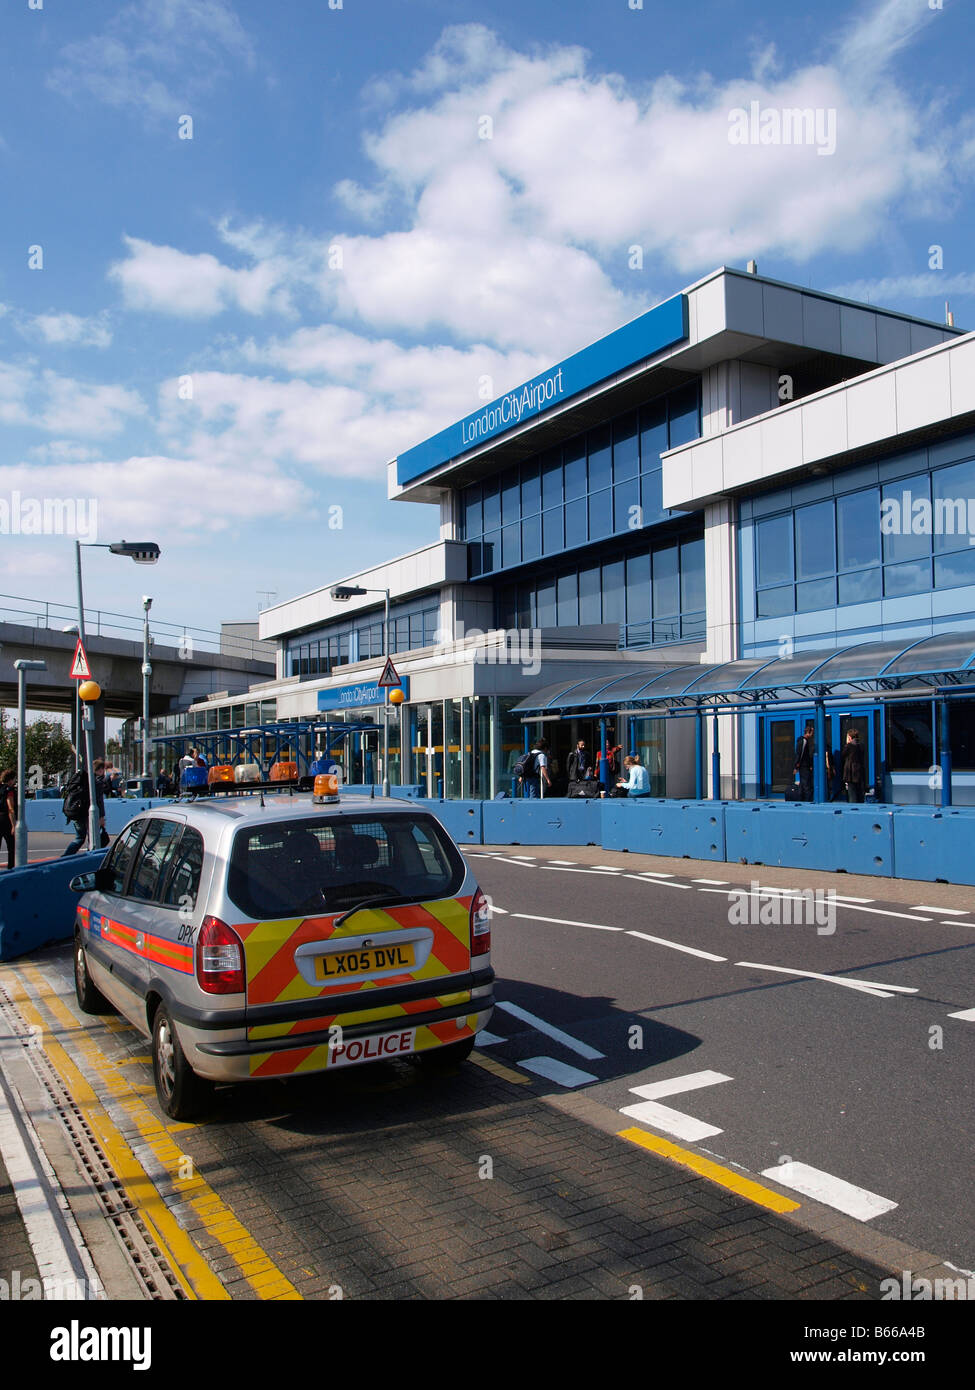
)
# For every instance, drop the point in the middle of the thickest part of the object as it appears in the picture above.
(948, 911)
(845, 898)
(503, 859)
(557, 1071)
(573, 1044)
(486, 1039)
(864, 986)
(834, 1192)
(669, 1120)
(850, 907)
(565, 922)
(676, 946)
(659, 882)
(613, 868)
(503, 910)
(600, 873)
(567, 863)
(649, 873)
(967, 1014)
(958, 924)
(524, 856)
(709, 880)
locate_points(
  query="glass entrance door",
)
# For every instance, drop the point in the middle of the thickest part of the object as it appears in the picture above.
(780, 734)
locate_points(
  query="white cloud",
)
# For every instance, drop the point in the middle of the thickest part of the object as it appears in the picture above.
(68, 330)
(155, 56)
(168, 281)
(47, 401)
(933, 285)
(197, 495)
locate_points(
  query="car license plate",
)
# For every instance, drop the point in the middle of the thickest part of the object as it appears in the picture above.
(365, 961)
(373, 1049)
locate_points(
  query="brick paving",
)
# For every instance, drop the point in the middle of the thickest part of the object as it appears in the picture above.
(379, 1191)
(15, 1249)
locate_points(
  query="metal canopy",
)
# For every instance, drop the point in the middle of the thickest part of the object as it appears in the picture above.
(928, 663)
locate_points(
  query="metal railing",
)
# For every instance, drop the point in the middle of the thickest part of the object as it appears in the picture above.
(102, 622)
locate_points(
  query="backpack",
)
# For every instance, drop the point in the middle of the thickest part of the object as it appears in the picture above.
(77, 797)
(526, 766)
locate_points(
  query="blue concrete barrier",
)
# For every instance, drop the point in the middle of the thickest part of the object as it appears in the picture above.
(857, 839)
(461, 819)
(36, 904)
(682, 829)
(553, 821)
(48, 815)
(935, 844)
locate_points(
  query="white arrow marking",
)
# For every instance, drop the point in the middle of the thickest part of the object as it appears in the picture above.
(672, 1121)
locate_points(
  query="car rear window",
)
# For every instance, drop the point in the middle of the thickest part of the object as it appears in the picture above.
(304, 867)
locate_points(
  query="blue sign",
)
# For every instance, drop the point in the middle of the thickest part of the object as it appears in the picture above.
(357, 696)
(653, 331)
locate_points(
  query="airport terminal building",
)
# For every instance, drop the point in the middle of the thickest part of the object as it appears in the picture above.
(749, 508)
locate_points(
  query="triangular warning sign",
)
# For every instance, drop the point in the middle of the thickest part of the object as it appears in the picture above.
(389, 677)
(80, 670)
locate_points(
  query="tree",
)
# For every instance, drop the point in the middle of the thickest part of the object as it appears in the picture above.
(47, 749)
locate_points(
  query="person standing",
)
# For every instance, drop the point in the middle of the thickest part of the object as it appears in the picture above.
(805, 755)
(579, 766)
(854, 767)
(8, 812)
(77, 800)
(539, 777)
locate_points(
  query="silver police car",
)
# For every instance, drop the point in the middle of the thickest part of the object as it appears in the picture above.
(274, 937)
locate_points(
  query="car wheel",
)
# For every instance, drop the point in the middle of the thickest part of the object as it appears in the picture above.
(450, 1055)
(180, 1092)
(90, 998)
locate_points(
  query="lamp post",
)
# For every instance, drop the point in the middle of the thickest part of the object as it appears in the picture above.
(341, 594)
(20, 832)
(143, 553)
(146, 673)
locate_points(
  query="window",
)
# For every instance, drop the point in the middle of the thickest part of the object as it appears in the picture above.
(552, 478)
(910, 736)
(471, 515)
(773, 547)
(903, 537)
(589, 605)
(962, 725)
(575, 469)
(815, 550)
(613, 592)
(185, 866)
(546, 614)
(685, 415)
(510, 497)
(653, 434)
(600, 456)
(152, 860)
(858, 530)
(567, 597)
(953, 507)
(530, 489)
(123, 852)
(626, 448)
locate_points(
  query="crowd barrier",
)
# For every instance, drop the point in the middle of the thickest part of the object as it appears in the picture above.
(549, 821)
(683, 829)
(935, 844)
(36, 904)
(856, 838)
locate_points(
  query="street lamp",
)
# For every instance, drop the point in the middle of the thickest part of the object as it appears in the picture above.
(20, 832)
(341, 594)
(143, 553)
(146, 673)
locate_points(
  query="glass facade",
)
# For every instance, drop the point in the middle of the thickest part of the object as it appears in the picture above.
(909, 535)
(655, 594)
(604, 483)
(411, 625)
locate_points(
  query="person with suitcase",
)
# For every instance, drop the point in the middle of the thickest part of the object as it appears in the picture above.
(805, 754)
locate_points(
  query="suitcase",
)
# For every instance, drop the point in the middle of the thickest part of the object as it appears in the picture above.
(589, 788)
(793, 794)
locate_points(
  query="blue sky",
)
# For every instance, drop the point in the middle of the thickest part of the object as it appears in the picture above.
(231, 333)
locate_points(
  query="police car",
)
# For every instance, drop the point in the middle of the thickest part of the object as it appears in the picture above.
(274, 936)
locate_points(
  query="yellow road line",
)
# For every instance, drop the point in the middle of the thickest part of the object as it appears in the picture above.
(257, 1267)
(707, 1168)
(498, 1069)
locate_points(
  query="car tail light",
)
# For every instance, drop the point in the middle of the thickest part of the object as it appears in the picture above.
(480, 924)
(219, 958)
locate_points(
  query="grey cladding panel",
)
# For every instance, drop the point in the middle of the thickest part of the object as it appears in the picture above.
(893, 339)
(821, 324)
(743, 305)
(858, 332)
(783, 314)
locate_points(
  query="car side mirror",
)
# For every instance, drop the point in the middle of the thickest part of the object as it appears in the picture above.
(84, 883)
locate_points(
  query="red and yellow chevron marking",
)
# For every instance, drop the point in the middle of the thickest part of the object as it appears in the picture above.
(308, 1059)
(273, 977)
(176, 956)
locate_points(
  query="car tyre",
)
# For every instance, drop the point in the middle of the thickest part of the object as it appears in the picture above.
(180, 1092)
(90, 997)
(443, 1058)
